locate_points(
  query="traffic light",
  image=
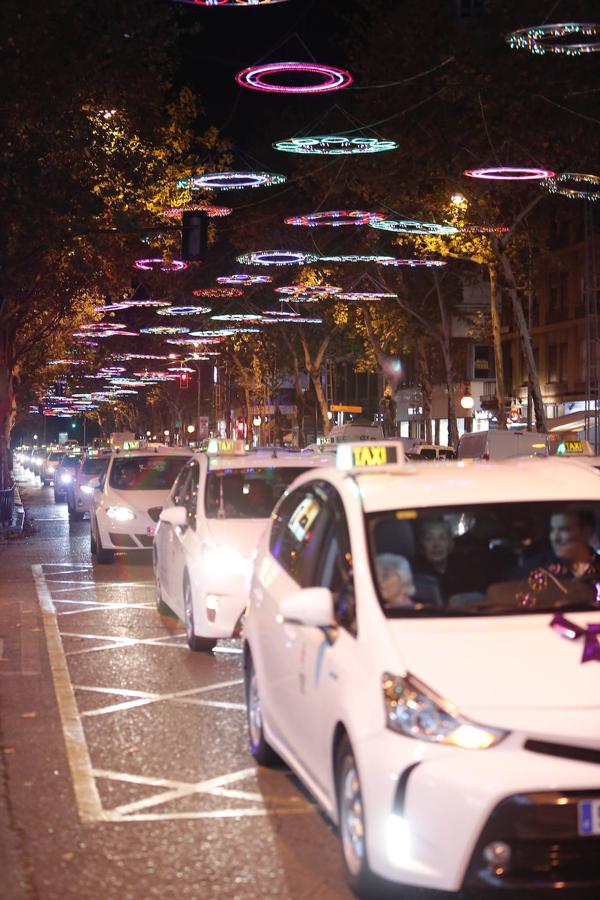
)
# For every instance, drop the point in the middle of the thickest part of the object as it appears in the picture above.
(194, 236)
(184, 380)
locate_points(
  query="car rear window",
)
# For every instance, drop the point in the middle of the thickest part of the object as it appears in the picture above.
(145, 473)
(95, 466)
(247, 493)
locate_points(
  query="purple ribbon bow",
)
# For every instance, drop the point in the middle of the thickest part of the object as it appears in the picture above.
(572, 631)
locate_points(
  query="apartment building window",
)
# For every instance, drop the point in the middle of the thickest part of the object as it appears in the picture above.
(558, 296)
(557, 363)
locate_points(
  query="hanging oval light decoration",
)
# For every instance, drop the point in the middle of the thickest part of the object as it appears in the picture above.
(324, 78)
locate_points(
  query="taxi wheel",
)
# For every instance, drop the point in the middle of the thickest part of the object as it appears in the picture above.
(351, 818)
(161, 606)
(262, 752)
(193, 641)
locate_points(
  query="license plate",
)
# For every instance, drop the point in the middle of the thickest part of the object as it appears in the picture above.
(588, 813)
(151, 530)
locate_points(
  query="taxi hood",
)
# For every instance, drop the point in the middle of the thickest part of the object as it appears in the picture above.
(243, 534)
(139, 500)
(504, 663)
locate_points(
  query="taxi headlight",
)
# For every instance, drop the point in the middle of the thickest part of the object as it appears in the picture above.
(416, 711)
(86, 489)
(120, 513)
(50, 469)
(227, 560)
(65, 478)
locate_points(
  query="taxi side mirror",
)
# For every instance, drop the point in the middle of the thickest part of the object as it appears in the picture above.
(174, 515)
(310, 606)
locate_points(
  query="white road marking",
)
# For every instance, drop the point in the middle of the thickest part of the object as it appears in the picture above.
(89, 803)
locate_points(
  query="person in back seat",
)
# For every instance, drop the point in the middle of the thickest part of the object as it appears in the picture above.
(436, 558)
(394, 579)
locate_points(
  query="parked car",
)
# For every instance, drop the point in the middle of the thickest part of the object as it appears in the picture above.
(130, 497)
(50, 465)
(80, 490)
(501, 444)
(64, 475)
(209, 531)
(420, 648)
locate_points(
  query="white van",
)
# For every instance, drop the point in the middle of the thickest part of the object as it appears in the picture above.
(355, 431)
(502, 444)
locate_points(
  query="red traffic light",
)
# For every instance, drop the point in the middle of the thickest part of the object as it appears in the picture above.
(184, 379)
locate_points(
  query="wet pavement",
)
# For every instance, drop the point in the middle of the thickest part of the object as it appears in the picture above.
(124, 768)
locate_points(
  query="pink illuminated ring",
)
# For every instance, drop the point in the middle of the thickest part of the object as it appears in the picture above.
(154, 264)
(332, 79)
(510, 173)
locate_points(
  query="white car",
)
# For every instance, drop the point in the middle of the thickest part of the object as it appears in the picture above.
(80, 490)
(208, 534)
(127, 502)
(421, 647)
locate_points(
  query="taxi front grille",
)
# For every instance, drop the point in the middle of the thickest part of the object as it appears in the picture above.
(546, 850)
(154, 512)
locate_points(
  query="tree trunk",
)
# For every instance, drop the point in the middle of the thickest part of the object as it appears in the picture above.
(495, 310)
(448, 367)
(536, 391)
(8, 407)
(426, 387)
(315, 377)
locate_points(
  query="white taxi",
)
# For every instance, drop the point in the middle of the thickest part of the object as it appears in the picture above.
(208, 534)
(421, 647)
(127, 501)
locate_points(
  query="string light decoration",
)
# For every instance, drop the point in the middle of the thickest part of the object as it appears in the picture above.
(386, 260)
(336, 217)
(126, 357)
(164, 329)
(411, 226)
(334, 145)
(244, 280)
(130, 304)
(317, 291)
(541, 39)
(93, 327)
(107, 333)
(277, 258)
(194, 340)
(213, 212)
(236, 3)
(365, 296)
(560, 185)
(510, 173)
(237, 317)
(155, 264)
(299, 320)
(184, 311)
(211, 334)
(231, 181)
(326, 78)
(67, 362)
(282, 313)
(485, 229)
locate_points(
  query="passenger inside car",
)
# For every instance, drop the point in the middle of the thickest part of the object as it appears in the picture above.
(395, 580)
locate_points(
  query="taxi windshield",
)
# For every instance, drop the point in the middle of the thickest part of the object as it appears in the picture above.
(247, 493)
(145, 473)
(492, 559)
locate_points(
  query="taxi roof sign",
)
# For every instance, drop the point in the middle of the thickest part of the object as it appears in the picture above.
(220, 446)
(369, 456)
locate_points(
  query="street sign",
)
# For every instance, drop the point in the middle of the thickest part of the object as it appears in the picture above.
(339, 407)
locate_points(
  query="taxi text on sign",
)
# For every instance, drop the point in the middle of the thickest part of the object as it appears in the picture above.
(373, 456)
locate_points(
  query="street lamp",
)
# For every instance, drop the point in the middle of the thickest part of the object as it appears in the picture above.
(191, 429)
(459, 200)
(467, 401)
(256, 421)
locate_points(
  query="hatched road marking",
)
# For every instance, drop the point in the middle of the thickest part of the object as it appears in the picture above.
(52, 582)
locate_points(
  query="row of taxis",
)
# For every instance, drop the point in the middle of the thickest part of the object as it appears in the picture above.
(420, 644)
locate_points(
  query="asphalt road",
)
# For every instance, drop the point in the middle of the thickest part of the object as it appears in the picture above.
(124, 768)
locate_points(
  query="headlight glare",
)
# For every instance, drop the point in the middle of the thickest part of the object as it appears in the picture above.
(414, 710)
(226, 559)
(65, 478)
(86, 489)
(120, 513)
